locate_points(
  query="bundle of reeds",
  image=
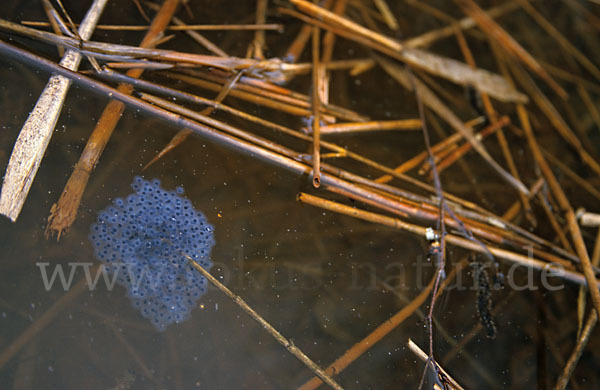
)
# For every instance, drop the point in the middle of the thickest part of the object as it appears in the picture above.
(499, 116)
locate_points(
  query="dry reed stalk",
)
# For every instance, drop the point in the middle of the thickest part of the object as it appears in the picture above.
(387, 14)
(498, 34)
(317, 83)
(450, 69)
(448, 142)
(570, 77)
(396, 223)
(287, 344)
(554, 223)
(361, 127)
(64, 212)
(286, 103)
(34, 137)
(299, 43)
(53, 24)
(329, 38)
(589, 104)
(258, 44)
(280, 93)
(177, 27)
(337, 20)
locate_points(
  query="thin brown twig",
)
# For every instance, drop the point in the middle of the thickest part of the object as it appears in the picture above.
(287, 344)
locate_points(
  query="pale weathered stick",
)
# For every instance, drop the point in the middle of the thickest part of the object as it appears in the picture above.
(36, 132)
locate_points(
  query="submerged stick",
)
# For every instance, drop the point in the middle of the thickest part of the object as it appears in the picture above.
(287, 344)
(46, 319)
(35, 135)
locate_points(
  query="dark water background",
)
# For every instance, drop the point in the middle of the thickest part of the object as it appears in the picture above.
(308, 272)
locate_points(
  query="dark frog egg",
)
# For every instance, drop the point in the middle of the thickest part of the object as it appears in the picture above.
(143, 237)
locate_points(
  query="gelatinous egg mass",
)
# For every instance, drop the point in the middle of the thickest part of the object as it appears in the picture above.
(142, 238)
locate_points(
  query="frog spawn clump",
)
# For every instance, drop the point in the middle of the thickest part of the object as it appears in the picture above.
(143, 238)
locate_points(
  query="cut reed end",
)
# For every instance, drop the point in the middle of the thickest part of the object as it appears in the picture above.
(63, 213)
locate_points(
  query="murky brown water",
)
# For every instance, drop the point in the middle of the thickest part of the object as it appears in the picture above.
(315, 276)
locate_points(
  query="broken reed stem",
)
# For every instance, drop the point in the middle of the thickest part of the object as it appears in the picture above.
(572, 175)
(287, 344)
(64, 212)
(332, 18)
(299, 43)
(361, 127)
(416, 160)
(316, 107)
(259, 36)
(177, 27)
(34, 137)
(423, 356)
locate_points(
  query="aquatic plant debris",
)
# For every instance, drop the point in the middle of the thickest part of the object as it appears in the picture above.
(143, 239)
